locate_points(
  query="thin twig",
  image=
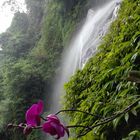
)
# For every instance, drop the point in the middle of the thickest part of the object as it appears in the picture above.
(109, 119)
(43, 118)
(73, 126)
(21, 126)
(37, 127)
(74, 110)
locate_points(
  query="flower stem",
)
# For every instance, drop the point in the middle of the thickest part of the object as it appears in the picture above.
(73, 126)
(23, 126)
(43, 118)
(74, 110)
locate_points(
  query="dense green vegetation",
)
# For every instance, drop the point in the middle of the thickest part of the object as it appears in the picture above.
(30, 56)
(102, 86)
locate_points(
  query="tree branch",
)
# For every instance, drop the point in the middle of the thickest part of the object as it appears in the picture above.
(109, 119)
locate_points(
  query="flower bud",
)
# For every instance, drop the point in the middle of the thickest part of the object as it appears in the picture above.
(21, 126)
(27, 130)
(10, 125)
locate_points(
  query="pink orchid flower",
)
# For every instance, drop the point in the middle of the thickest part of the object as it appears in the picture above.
(54, 127)
(33, 114)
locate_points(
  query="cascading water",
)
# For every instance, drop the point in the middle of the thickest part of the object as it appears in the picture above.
(84, 46)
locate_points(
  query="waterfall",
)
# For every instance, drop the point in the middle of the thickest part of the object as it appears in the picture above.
(84, 45)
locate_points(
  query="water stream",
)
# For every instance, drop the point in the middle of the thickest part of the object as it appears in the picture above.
(84, 45)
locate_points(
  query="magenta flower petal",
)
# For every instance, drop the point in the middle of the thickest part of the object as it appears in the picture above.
(54, 127)
(33, 114)
(53, 118)
(59, 129)
(47, 127)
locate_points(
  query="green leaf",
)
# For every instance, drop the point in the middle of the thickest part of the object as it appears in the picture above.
(126, 117)
(134, 112)
(116, 122)
(134, 57)
(133, 133)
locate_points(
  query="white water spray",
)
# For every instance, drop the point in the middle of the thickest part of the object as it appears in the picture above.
(84, 46)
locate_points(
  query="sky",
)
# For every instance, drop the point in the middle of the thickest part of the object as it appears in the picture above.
(6, 14)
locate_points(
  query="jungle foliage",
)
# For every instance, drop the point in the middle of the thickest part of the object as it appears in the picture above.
(102, 86)
(30, 56)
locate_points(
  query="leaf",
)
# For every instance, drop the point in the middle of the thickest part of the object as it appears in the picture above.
(134, 112)
(133, 133)
(126, 117)
(134, 57)
(116, 122)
